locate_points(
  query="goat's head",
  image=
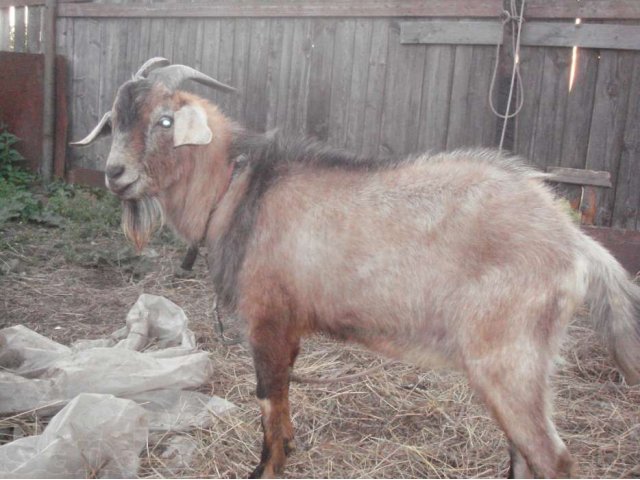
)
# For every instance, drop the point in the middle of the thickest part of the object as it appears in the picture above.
(147, 122)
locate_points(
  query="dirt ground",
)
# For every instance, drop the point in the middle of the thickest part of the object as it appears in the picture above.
(398, 422)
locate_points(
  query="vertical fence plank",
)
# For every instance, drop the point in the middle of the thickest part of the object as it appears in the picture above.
(375, 87)
(157, 33)
(608, 121)
(296, 109)
(225, 63)
(207, 55)
(403, 96)
(319, 101)
(34, 29)
(280, 71)
(552, 104)
(255, 113)
(239, 64)
(531, 70)
(5, 29)
(626, 210)
(86, 110)
(357, 90)
(20, 31)
(579, 110)
(341, 81)
(436, 94)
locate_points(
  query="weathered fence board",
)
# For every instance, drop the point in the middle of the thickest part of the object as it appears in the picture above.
(340, 70)
(626, 208)
(608, 122)
(20, 31)
(577, 120)
(619, 37)
(291, 8)
(436, 95)
(451, 32)
(585, 9)
(34, 40)
(355, 118)
(341, 76)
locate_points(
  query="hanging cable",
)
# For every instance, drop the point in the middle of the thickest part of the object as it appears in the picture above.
(516, 18)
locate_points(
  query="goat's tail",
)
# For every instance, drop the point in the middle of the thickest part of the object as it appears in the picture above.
(614, 301)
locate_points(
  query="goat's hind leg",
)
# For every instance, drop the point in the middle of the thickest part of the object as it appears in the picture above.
(515, 389)
(273, 356)
(519, 467)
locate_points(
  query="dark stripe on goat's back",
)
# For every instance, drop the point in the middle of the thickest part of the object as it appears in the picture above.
(129, 101)
(269, 158)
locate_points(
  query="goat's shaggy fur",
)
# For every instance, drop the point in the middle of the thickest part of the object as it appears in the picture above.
(463, 259)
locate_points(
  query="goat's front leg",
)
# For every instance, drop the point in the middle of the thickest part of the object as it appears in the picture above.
(273, 355)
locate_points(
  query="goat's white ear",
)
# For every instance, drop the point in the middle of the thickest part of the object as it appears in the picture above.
(190, 126)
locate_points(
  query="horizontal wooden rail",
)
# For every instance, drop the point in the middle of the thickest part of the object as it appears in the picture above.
(535, 9)
(540, 34)
(33, 3)
(288, 8)
(452, 32)
(618, 37)
(585, 9)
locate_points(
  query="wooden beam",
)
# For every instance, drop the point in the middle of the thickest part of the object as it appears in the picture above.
(585, 9)
(618, 37)
(450, 32)
(578, 176)
(292, 8)
(33, 3)
(49, 110)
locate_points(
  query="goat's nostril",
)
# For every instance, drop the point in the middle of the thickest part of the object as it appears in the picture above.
(114, 171)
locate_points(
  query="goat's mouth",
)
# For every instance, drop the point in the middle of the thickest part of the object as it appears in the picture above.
(126, 191)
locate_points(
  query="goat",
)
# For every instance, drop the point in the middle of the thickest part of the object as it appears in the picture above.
(463, 259)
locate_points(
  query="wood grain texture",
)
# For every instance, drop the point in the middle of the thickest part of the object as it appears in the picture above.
(608, 121)
(585, 9)
(403, 96)
(627, 201)
(352, 82)
(619, 37)
(5, 28)
(292, 8)
(463, 32)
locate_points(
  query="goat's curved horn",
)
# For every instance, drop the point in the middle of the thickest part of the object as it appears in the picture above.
(151, 64)
(172, 75)
(96, 132)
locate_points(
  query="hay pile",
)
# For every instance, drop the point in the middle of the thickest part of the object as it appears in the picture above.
(396, 422)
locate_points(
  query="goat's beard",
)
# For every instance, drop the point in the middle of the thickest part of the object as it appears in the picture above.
(140, 219)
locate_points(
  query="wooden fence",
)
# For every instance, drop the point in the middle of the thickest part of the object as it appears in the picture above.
(373, 77)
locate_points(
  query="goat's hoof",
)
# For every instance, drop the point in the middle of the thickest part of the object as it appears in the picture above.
(257, 472)
(262, 472)
(266, 470)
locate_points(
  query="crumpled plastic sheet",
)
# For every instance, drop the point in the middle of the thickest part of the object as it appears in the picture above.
(151, 361)
(93, 435)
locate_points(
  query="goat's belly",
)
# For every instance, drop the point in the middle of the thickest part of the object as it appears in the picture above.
(424, 344)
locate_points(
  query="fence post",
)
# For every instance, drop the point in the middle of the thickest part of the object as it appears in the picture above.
(49, 110)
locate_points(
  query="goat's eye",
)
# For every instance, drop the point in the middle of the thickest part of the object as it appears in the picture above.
(165, 122)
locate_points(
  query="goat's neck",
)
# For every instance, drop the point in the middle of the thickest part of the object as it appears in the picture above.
(189, 202)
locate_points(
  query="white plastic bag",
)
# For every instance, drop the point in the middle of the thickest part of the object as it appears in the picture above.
(38, 372)
(94, 435)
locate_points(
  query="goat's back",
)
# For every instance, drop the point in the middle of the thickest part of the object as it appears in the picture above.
(450, 252)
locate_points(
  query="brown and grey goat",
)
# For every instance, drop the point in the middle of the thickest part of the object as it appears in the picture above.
(462, 259)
